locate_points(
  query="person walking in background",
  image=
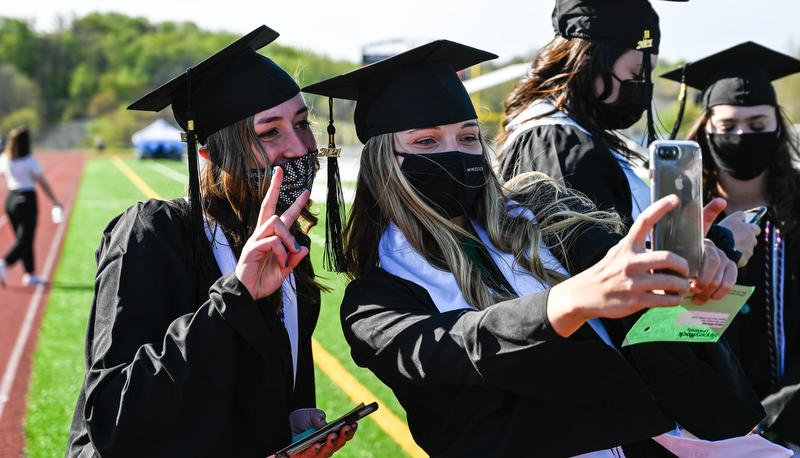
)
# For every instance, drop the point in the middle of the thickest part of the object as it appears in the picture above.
(750, 157)
(22, 172)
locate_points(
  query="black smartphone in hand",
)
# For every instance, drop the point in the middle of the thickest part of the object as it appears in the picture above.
(307, 439)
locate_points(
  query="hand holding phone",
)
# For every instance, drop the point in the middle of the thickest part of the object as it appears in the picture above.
(313, 436)
(754, 215)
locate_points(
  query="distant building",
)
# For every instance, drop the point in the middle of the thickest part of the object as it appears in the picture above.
(380, 50)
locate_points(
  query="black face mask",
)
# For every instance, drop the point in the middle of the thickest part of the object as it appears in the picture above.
(448, 182)
(298, 175)
(632, 100)
(743, 156)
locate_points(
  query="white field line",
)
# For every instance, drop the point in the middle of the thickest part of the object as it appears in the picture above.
(10, 372)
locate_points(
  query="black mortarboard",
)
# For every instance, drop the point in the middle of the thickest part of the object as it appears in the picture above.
(234, 83)
(416, 88)
(631, 24)
(741, 75)
(229, 86)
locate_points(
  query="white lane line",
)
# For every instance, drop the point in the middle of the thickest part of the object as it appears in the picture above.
(182, 178)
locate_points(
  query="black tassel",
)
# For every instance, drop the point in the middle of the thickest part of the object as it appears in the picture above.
(682, 107)
(334, 244)
(197, 233)
(647, 66)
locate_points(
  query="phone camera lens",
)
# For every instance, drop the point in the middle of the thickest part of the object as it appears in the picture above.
(668, 152)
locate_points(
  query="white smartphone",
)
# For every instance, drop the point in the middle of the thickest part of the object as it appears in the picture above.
(676, 167)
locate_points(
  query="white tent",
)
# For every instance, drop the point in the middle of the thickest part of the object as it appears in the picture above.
(159, 139)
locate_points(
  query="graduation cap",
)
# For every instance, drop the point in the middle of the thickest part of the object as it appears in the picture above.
(227, 87)
(741, 76)
(414, 89)
(631, 24)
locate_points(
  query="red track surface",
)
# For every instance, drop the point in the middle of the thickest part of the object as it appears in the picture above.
(63, 172)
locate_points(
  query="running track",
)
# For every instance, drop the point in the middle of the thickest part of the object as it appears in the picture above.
(21, 307)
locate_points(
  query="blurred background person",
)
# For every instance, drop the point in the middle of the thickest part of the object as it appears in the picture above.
(22, 172)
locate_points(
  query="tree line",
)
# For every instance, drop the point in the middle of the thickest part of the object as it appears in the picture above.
(94, 66)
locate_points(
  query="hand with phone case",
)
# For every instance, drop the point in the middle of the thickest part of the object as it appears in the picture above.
(745, 229)
(676, 169)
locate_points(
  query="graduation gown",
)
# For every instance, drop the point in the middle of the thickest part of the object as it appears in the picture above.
(749, 338)
(498, 382)
(181, 361)
(566, 153)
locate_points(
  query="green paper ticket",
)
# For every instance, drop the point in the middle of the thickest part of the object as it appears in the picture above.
(689, 322)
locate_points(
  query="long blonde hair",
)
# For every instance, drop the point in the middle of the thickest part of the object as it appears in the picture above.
(383, 194)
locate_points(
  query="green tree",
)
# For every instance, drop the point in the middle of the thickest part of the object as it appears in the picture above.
(17, 92)
(18, 45)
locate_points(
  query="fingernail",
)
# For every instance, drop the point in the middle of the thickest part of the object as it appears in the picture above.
(333, 441)
(347, 433)
(287, 263)
(296, 246)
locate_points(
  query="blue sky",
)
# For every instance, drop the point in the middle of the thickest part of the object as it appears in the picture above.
(508, 28)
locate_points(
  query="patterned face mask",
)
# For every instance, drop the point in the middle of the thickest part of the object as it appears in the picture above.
(298, 175)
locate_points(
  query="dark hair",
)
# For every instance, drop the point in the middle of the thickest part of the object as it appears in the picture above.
(561, 72)
(19, 143)
(783, 179)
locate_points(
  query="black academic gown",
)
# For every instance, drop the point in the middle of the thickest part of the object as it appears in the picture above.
(182, 361)
(749, 338)
(495, 383)
(501, 382)
(571, 156)
(685, 378)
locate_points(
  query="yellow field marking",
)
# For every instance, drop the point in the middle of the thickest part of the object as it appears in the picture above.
(135, 179)
(394, 427)
(388, 421)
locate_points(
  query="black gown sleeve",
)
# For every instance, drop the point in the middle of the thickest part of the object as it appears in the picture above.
(170, 372)
(783, 406)
(575, 158)
(680, 376)
(488, 382)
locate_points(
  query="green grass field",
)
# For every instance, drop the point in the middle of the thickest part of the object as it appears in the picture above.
(58, 360)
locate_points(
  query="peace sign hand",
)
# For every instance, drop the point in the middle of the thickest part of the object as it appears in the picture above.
(271, 252)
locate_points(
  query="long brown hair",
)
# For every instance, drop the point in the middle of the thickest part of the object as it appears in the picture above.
(564, 72)
(383, 194)
(783, 179)
(19, 143)
(234, 201)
